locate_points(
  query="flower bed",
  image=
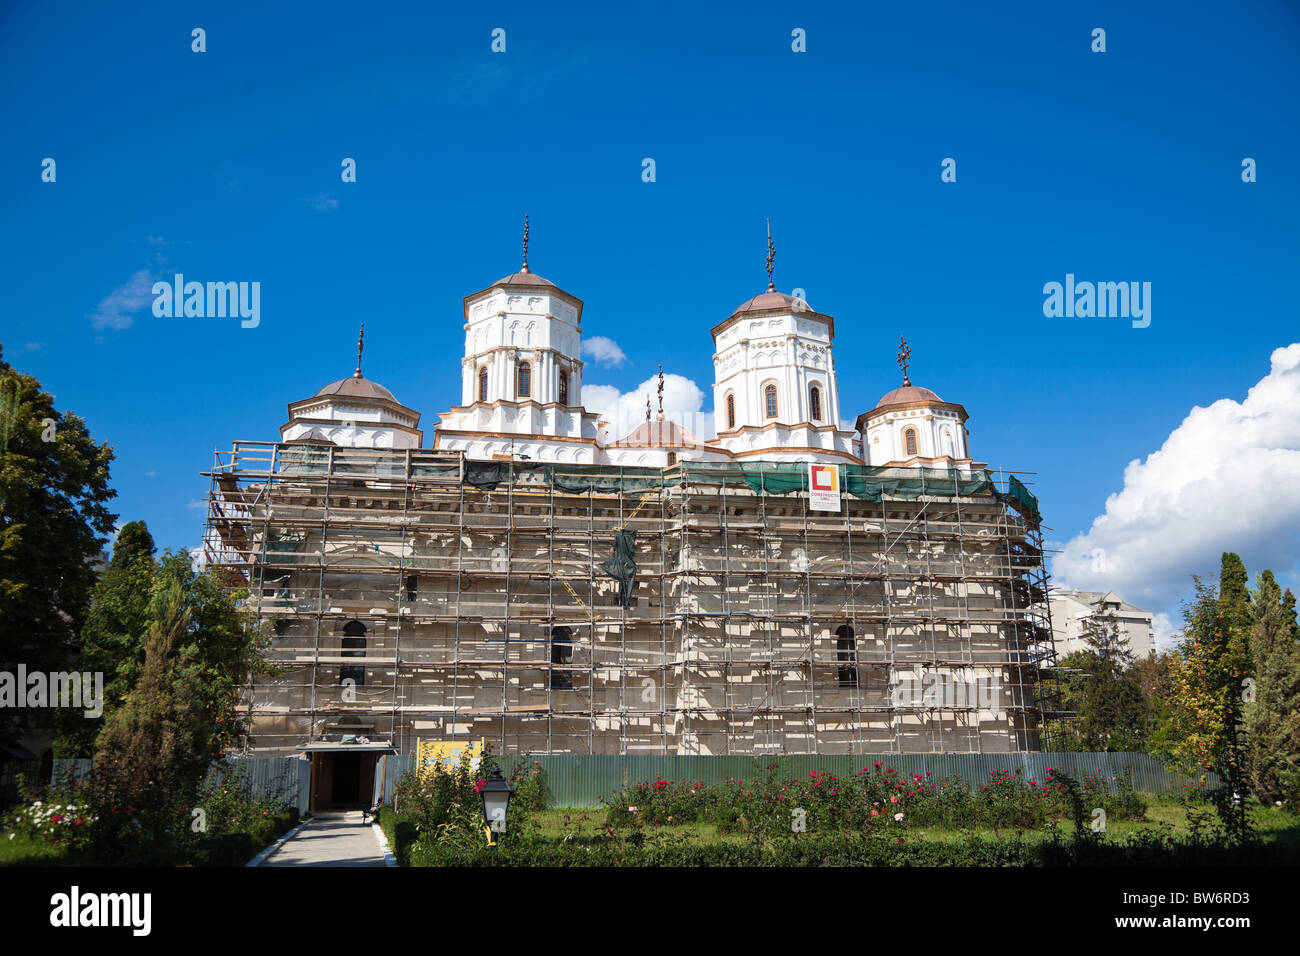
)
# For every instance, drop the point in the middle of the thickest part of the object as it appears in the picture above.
(875, 800)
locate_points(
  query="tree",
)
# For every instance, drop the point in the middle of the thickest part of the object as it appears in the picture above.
(53, 522)
(181, 715)
(113, 638)
(1272, 717)
(1100, 687)
(1208, 687)
(1154, 675)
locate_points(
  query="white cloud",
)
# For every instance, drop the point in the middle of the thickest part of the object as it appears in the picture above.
(117, 309)
(1226, 479)
(603, 351)
(1167, 634)
(322, 203)
(683, 403)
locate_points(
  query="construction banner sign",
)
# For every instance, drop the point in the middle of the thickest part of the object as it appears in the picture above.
(447, 753)
(824, 487)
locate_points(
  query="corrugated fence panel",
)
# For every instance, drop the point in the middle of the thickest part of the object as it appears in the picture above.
(273, 778)
(583, 781)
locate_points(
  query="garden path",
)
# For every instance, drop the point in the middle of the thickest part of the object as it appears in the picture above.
(330, 839)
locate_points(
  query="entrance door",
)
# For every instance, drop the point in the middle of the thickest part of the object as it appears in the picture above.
(346, 790)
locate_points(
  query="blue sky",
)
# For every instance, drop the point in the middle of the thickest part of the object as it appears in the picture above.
(1115, 166)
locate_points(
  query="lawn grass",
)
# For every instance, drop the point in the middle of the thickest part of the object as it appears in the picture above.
(23, 852)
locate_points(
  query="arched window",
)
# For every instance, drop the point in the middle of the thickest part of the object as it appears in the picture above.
(561, 653)
(564, 387)
(525, 381)
(354, 644)
(815, 403)
(482, 384)
(909, 440)
(672, 458)
(731, 410)
(846, 653)
(769, 401)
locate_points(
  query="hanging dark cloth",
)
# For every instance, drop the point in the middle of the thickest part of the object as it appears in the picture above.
(483, 474)
(622, 566)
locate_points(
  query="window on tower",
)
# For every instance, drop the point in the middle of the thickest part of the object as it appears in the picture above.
(482, 384)
(815, 403)
(562, 654)
(731, 410)
(769, 401)
(846, 654)
(525, 381)
(564, 388)
(909, 440)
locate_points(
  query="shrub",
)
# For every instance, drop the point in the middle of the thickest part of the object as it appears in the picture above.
(1147, 848)
(872, 801)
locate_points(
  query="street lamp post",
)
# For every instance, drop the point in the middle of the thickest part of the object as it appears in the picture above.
(496, 793)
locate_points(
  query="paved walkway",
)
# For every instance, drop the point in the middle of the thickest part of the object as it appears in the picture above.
(330, 839)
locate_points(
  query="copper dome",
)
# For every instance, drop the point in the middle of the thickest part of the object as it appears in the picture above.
(906, 394)
(357, 387)
(523, 278)
(770, 301)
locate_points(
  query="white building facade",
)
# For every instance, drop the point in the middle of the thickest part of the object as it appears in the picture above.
(1070, 609)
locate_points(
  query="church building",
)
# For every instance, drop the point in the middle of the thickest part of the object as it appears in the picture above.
(521, 577)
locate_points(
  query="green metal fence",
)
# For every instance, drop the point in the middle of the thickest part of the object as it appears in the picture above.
(583, 780)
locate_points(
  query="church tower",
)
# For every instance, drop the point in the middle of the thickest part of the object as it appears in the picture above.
(521, 374)
(911, 425)
(774, 390)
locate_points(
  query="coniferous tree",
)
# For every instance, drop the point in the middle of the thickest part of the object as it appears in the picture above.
(113, 638)
(1208, 690)
(1272, 712)
(181, 714)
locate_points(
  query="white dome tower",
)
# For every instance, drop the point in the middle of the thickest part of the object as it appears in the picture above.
(914, 426)
(774, 391)
(521, 374)
(353, 412)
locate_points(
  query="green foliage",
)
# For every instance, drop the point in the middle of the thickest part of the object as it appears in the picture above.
(872, 802)
(1208, 692)
(112, 640)
(54, 520)
(1272, 717)
(443, 805)
(230, 827)
(1102, 687)
(156, 747)
(1149, 847)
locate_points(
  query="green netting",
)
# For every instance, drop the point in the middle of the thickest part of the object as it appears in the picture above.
(605, 480)
(869, 484)
(763, 477)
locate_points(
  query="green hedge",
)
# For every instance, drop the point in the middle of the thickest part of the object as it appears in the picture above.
(400, 832)
(1145, 849)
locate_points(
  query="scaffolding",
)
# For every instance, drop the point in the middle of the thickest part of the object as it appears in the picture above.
(699, 609)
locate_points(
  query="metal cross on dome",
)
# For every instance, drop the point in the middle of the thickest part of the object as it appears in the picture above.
(525, 265)
(771, 257)
(904, 357)
(360, 345)
(661, 391)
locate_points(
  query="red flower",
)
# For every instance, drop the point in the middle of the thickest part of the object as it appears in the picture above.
(478, 785)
